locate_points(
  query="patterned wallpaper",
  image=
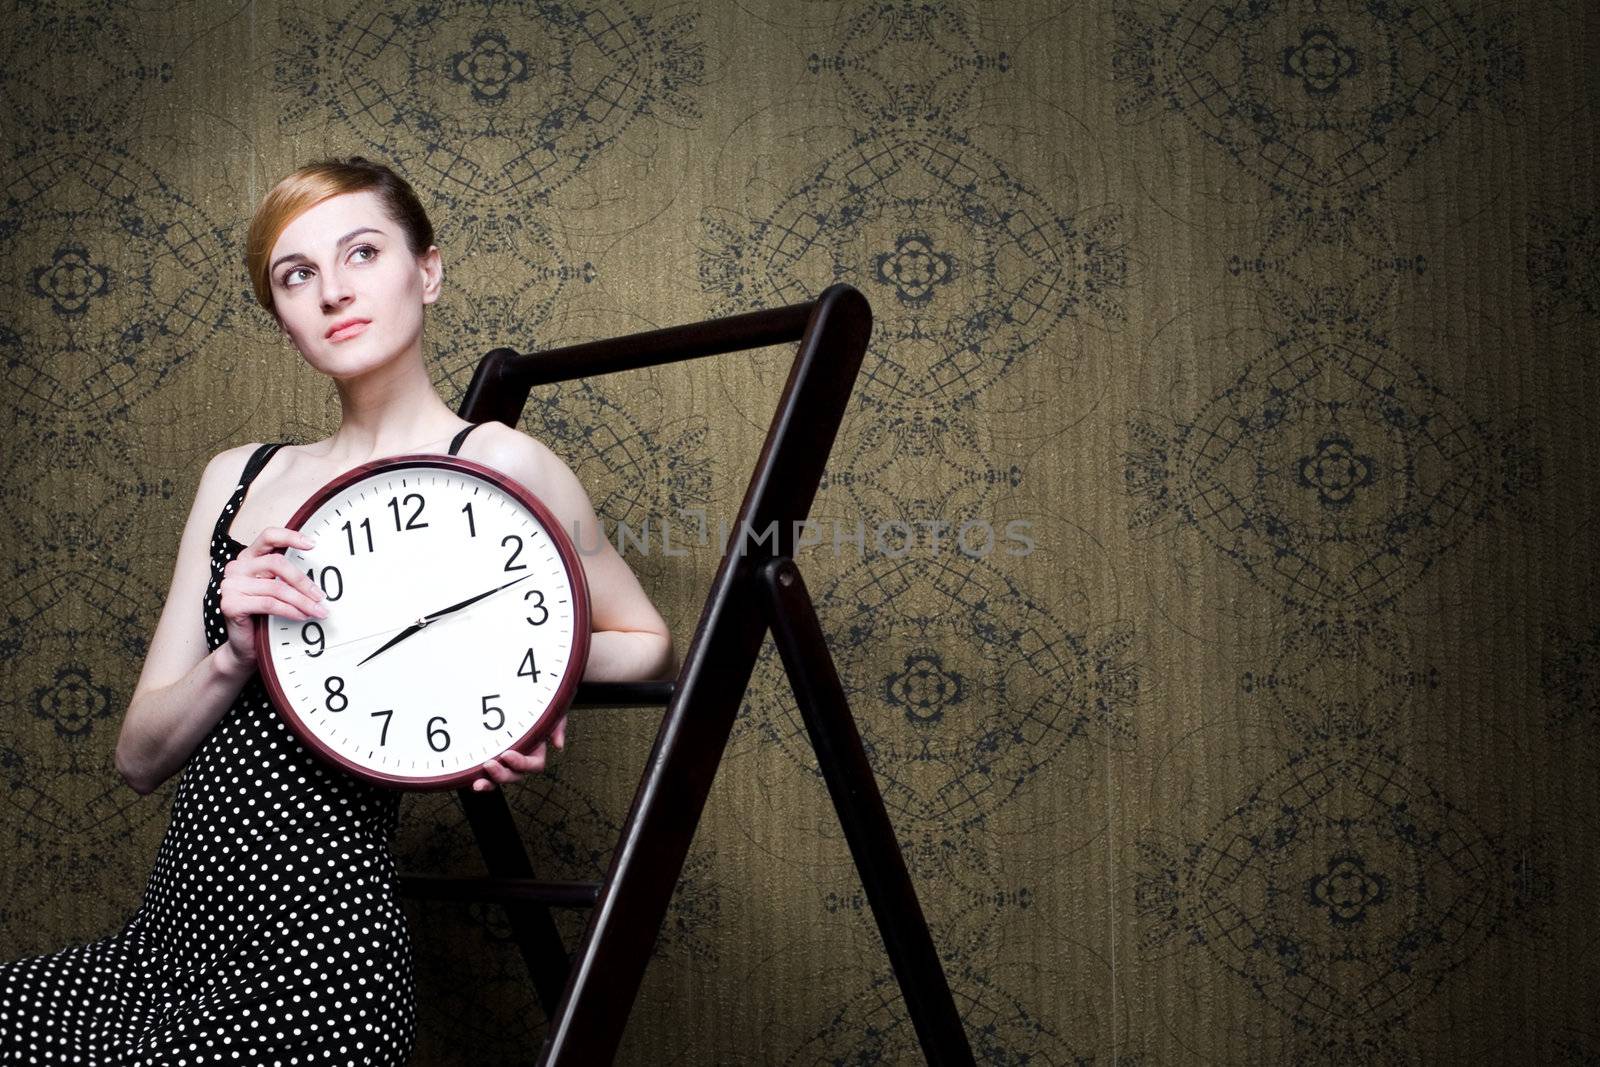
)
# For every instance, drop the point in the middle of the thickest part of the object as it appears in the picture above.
(1274, 321)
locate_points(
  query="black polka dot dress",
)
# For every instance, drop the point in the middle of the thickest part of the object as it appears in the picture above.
(269, 933)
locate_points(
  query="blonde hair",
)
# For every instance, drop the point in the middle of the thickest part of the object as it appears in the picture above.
(309, 186)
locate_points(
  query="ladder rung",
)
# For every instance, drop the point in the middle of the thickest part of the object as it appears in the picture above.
(623, 694)
(556, 894)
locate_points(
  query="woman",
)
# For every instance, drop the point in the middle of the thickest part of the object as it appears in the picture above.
(269, 932)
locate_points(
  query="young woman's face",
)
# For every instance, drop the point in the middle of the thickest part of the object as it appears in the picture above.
(346, 288)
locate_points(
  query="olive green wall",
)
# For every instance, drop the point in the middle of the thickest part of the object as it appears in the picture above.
(1276, 322)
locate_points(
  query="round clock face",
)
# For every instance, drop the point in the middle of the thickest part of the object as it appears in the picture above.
(458, 622)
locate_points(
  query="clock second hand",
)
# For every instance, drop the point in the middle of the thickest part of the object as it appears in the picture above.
(363, 637)
(420, 620)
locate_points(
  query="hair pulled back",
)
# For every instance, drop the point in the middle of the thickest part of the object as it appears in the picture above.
(309, 186)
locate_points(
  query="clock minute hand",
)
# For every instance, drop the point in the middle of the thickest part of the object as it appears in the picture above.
(472, 600)
(426, 619)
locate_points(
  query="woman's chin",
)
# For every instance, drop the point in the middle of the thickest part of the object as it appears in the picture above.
(355, 365)
(361, 355)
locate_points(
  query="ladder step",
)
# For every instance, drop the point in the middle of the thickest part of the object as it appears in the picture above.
(555, 894)
(623, 694)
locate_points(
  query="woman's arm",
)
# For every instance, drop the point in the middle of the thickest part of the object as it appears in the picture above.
(629, 641)
(183, 689)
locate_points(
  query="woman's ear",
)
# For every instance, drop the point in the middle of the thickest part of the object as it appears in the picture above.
(431, 264)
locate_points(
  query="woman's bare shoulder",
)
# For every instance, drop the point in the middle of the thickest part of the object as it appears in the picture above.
(226, 468)
(221, 476)
(508, 449)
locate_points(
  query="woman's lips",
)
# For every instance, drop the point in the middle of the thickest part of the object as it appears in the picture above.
(349, 331)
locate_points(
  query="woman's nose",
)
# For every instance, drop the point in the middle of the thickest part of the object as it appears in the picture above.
(335, 289)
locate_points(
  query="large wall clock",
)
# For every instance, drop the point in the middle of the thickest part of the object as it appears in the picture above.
(458, 623)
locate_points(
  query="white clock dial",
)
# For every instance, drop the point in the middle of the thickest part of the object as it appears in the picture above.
(453, 626)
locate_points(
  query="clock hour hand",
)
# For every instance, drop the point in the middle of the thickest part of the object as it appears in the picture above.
(396, 639)
(471, 600)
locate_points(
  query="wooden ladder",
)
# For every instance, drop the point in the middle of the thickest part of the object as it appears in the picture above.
(757, 588)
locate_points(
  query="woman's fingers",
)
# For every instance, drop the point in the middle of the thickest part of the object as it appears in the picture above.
(561, 732)
(268, 583)
(510, 766)
(292, 574)
(241, 604)
(534, 761)
(264, 556)
(302, 590)
(279, 537)
(280, 592)
(496, 773)
(270, 605)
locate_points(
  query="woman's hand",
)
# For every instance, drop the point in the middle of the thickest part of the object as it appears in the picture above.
(512, 765)
(260, 581)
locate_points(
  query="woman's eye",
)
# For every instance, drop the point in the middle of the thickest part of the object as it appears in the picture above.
(367, 252)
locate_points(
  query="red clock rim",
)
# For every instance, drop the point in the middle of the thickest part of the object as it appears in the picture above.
(543, 727)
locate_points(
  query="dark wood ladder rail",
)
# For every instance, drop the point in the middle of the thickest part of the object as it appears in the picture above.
(757, 588)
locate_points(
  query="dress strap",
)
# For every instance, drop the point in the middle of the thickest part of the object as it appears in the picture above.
(252, 467)
(257, 460)
(455, 442)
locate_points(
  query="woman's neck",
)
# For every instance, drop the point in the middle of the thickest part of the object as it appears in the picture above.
(389, 412)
